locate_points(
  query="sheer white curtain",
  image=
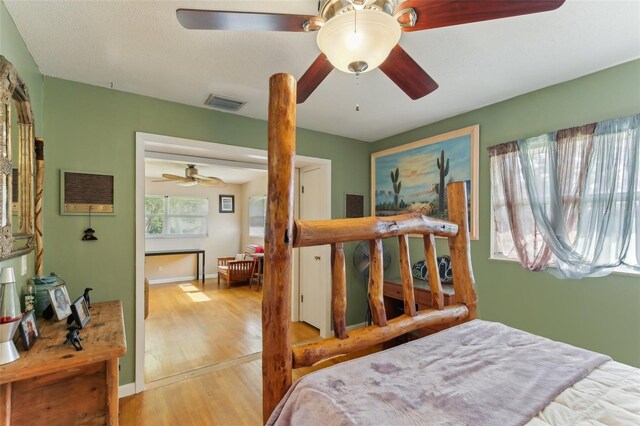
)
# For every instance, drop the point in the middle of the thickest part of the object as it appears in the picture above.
(516, 234)
(582, 190)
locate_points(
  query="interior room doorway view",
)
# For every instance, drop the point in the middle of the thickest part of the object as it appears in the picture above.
(193, 328)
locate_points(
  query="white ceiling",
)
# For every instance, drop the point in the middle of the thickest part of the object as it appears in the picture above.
(140, 47)
(154, 168)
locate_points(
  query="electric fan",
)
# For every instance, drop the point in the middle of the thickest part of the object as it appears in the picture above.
(361, 263)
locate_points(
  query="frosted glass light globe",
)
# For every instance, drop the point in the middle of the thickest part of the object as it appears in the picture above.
(366, 37)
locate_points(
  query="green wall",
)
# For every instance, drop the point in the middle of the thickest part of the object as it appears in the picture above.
(13, 48)
(601, 314)
(93, 129)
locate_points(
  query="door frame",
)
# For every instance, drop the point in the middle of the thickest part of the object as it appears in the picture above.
(148, 142)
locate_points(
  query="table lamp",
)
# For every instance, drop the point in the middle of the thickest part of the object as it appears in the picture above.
(10, 315)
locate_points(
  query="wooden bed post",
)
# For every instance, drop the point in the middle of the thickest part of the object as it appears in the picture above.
(460, 248)
(276, 298)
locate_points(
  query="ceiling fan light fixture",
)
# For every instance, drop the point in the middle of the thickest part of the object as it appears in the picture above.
(366, 38)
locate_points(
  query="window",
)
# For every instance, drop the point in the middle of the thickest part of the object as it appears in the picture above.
(569, 199)
(257, 214)
(166, 216)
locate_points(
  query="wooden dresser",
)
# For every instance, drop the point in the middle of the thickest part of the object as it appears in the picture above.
(394, 301)
(393, 292)
(53, 384)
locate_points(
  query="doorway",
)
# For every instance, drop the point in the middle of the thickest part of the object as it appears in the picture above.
(225, 153)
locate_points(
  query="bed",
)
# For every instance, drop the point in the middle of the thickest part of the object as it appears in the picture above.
(473, 372)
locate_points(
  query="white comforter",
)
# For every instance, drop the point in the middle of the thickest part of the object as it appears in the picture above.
(609, 395)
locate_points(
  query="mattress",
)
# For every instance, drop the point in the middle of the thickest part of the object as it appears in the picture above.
(609, 395)
(477, 373)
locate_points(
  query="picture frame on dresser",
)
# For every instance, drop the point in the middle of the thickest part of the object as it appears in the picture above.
(29, 332)
(80, 312)
(60, 301)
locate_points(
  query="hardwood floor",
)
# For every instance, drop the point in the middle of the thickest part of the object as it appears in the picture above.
(216, 334)
(189, 328)
(228, 397)
(231, 396)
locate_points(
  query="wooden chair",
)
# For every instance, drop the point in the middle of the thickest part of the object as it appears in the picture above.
(257, 273)
(233, 270)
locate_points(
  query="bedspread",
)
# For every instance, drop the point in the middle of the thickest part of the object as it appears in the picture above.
(477, 373)
(609, 395)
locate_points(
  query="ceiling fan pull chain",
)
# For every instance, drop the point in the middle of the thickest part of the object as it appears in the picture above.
(357, 91)
(355, 21)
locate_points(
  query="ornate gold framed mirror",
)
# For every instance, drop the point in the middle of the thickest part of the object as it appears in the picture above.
(16, 164)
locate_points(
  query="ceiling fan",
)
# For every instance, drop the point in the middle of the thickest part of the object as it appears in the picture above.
(191, 178)
(357, 36)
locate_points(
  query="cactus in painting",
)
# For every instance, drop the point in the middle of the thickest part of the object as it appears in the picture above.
(440, 189)
(397, 185)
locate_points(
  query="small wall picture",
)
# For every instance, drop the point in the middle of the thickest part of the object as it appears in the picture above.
(60, 301)
(227, 204)
(80, 312)
(29, 330)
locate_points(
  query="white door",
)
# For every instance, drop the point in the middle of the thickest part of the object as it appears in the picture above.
(313, 269)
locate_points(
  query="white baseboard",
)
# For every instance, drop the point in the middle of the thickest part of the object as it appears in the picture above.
(177, 279)
(126, 390)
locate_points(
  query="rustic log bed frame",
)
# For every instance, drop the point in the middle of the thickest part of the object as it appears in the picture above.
(284, 233)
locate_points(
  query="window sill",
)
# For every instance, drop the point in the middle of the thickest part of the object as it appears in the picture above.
(621, 270)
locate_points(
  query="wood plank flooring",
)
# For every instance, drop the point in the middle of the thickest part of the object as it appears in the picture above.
(216, 334)
(231, 396)
(189, 328)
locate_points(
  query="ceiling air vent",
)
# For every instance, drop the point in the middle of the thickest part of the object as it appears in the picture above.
(227, 104)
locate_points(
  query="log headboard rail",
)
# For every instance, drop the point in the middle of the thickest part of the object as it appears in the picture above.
(279, 356)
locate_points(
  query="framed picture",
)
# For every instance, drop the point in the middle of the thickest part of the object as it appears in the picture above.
(227, 204)
(414, 176)
(86, 193)
(29, 330)
(60, 301)
(80, 312)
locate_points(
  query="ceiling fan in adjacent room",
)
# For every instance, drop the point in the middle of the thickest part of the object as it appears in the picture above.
(191, 178)
(357, 36)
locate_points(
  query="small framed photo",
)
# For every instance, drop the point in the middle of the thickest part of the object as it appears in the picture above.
(29, 330)
(60, 301)
(80, 312)
(227, 204)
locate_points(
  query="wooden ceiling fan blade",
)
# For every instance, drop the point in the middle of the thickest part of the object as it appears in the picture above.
(163, 180)
(203, 177)
(445, 13)
(172, 177)
(214, 182)
(196, 19)
(188, 182)
(318, 71)
(407, 74)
